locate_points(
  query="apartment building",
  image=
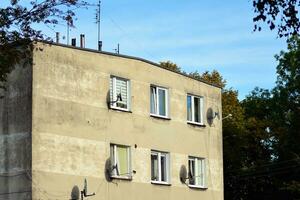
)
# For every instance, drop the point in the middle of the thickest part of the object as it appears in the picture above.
(76, 122)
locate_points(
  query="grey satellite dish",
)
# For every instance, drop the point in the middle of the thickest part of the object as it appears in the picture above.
(211, 115)
(183, 174)
(75, 193)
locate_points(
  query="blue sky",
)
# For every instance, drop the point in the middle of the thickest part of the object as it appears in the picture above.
(195, 34)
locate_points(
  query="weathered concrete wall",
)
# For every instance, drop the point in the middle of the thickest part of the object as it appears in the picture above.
(15, 135)
(72, 127)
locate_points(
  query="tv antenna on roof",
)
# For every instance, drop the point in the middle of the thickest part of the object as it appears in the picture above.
(117, 50)
(98, 16)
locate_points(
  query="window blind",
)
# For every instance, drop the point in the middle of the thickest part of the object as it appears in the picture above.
(119, 86)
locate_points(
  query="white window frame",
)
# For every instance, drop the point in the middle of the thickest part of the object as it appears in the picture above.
(198, 161)
(114, 94)
(157, 88)
(168, 177)
(201, 98)
(114, 161)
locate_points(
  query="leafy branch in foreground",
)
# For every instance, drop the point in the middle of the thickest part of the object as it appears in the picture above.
(17, 31)
(282, 15)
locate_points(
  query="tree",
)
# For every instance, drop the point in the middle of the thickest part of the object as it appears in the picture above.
(278, 14)
(287, 116)
(171, 66)
(17, 32)
(213, 77)
(259, 146)
(271, 161)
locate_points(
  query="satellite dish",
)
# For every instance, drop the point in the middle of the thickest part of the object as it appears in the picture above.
(183, 174)
(75, 193)
(107, 171)
(110, 102)
(211, 114)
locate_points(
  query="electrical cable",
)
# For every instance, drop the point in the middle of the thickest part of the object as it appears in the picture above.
(267, 172)
(271, 164)
(130, 38)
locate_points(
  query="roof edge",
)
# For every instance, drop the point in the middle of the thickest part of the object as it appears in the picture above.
(128, 57)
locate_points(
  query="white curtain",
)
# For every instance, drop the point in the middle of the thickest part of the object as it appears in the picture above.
(153, 101)
(200, 170)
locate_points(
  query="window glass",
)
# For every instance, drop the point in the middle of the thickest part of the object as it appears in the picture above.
(194, 109)
(162, 102)
(197, 171)
(122, 155)
(119, 93)
(154, 167)
(159, 166)
(153, 100)
(192, 171)
(200, 172)
(159, 101)
(189, 108)
(121, 90)
(163, 168)
(120, 160)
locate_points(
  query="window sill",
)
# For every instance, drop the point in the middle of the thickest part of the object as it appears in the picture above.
(122, 178)
(120, 109)
(197, 187)
(160, 117)
(160, 183)
(196, 124)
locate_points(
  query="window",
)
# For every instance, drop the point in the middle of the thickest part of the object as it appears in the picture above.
(159, 101)
(197, 172)
(160, 167)
(119, 93)
(195, 109)
(120, 161)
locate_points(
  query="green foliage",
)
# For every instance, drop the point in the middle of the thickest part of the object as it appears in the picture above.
(270, 160)
(17, 32)
(213, 77)
(261, 151)
(278, 14)
(287, 116)
(171, 66)
(287, 99)
(261, 140)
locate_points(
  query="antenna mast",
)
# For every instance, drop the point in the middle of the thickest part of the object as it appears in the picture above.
(68, 33)
(98, 13)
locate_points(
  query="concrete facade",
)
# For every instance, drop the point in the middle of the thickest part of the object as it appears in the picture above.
(56, 128)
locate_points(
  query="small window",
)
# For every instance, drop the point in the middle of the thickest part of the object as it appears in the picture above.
(120, 161)
(119, 93)
(195, 109)
(197, 176)
(159, 101)
(160, 169)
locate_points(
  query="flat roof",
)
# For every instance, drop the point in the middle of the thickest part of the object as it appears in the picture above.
(128, 57)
